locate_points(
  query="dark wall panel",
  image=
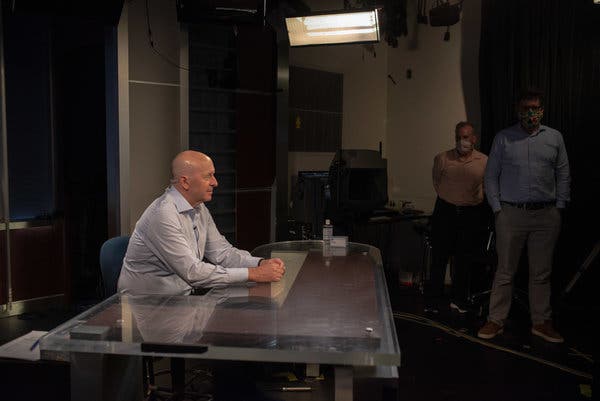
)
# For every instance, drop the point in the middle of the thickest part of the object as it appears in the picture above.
(316, 110)
(255, 141)
(40, 272)
(253, 219)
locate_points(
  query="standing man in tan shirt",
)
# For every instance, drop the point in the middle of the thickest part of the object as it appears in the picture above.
(460, 218)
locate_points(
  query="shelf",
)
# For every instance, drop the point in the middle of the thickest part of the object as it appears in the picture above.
(211, 131)
(206, 67)
(223, 152)
(211, 110)
(209, 47)
(220, 212)
(223, 191)
(233, 91)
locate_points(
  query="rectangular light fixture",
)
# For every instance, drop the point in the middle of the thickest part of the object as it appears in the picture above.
(329, 29)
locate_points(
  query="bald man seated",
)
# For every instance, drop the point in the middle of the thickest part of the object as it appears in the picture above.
(176, 246)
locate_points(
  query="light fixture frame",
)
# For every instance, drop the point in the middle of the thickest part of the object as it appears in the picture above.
(376, 10)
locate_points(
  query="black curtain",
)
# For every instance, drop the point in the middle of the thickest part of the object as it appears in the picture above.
(553, 45)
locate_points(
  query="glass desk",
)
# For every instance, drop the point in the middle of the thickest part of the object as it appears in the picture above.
(331, 307)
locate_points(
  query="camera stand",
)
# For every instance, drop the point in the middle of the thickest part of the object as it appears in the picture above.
(586, 264)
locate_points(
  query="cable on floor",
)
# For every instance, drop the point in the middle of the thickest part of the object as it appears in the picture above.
(587, 357)
(432, 323)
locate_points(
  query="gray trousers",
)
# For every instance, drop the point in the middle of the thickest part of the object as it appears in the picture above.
(514, 227)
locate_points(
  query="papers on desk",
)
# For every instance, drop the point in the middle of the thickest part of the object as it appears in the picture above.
(20, 348)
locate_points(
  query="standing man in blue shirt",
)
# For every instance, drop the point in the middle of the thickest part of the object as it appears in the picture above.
(176, 247)
(527, 184)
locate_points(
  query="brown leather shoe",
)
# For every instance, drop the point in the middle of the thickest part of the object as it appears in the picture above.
(547, 332)
(490, 330)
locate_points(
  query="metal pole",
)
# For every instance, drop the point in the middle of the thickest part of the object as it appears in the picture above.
(588, 261)
(282, 136)
(53, 161)
(5, 206)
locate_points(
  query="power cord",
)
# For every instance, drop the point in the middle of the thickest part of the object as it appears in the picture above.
(457, 333)
(153, 47)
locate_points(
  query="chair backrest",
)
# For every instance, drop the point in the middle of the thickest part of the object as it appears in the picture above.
(111, 260)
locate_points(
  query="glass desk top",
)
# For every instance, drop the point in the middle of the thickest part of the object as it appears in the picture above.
(331, 307)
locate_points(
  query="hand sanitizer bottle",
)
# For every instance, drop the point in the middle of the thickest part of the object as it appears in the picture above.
(327, 232)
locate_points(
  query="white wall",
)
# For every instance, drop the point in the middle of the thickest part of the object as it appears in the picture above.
(423, 110)
(364, 118)
(413, 118)
(365, 70)
(153, 104)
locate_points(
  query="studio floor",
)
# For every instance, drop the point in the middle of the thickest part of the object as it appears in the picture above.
(441, 357)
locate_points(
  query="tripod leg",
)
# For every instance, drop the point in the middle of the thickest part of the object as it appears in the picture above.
(588, 261)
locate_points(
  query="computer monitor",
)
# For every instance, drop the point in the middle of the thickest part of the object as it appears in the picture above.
(358, 181)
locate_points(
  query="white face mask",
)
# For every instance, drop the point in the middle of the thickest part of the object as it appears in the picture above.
(464, 146)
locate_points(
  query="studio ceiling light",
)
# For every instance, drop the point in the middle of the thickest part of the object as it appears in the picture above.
(328, 29)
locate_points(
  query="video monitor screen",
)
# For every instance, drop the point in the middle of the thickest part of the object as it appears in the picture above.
(367, 185)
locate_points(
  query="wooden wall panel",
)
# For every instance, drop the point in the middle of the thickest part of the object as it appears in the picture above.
(37, 260)
(3, 294)
(38, 265)
(253, 219)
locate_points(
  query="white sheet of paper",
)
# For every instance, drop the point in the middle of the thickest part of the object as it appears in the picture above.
(20, 348)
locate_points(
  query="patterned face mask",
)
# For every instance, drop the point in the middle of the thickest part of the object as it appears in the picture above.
(531, 117)
(464, 146)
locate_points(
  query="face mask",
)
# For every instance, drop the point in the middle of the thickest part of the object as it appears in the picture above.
(464, 146)
(530, 118)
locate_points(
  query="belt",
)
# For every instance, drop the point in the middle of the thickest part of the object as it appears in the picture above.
(530, 205)
(449, 208)
(458, 207)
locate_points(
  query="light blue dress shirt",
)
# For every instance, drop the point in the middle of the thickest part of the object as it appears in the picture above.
(169, 246)
(525, 167)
